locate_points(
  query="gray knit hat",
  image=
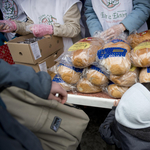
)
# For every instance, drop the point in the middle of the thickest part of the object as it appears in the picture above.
(133, 110)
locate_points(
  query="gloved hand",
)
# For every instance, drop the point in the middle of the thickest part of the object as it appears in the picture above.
(113, 32)
(7, 26)
(40, 30)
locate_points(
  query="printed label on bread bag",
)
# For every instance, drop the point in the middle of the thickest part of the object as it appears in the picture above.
(142, 33)
(86, 39)
(148, 69)
(117, 40)
(142, 45)
(35, 50)
(58, 79)
(43, 67)
(72, 67)
(78, 46)
(111, 52)
(132, 68)
(96, 68)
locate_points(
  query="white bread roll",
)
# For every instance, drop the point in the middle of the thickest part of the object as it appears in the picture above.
(140, 55)
(144, 76)
(136, 38)
(96, 76)
(85, 50)
(127, 79)
(117, 60)
(116, 91)
(66, 86)
(70, 74)
(85, 86)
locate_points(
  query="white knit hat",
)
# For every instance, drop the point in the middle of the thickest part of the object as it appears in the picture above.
(133, 110)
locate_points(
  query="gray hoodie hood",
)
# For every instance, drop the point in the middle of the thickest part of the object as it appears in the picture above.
(133, 110)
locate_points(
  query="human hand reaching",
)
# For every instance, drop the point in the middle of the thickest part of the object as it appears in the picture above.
(116, 102)
(113, 32)
(40, 30)
(56, 88)
(7, 26)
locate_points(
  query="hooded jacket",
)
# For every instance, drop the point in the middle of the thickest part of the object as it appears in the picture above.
(126, 126)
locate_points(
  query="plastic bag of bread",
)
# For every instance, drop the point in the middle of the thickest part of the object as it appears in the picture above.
(140, 55)
(116, 91)
(83, 53)
(66, 86)
(144, 76)
(85, 86)
(115, 57)
(96, 76)
(136, 38)
(68, 73)
(127, 79)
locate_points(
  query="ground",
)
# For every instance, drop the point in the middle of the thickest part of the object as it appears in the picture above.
(91, 139)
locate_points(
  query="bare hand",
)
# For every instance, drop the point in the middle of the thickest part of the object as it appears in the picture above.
(57, 89)
(116, 102)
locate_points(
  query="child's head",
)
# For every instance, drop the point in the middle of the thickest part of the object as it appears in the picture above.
(134, 107)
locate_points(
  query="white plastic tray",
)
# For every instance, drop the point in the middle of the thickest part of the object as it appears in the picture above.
(90, 101)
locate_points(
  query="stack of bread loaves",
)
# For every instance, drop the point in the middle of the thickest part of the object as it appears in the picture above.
(114, 58)
(140, 54)
(82, 54)
(93, 64)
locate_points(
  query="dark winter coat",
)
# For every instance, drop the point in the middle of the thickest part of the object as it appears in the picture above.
(26, 78)
(13, 135)
(128, 139)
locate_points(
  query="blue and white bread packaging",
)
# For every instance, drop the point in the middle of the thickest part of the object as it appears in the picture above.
(115, 57)
(96, 76)
(69, 73)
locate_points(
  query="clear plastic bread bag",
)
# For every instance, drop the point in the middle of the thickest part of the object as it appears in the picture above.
(95, 75)
(127, 79)
(66, 86)
(114, 90)
(56, 77)
(136, 38)
(83, 53)
(140, 55)
(69, 73)
(115, 57)
(144, 75)
(85, 86)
